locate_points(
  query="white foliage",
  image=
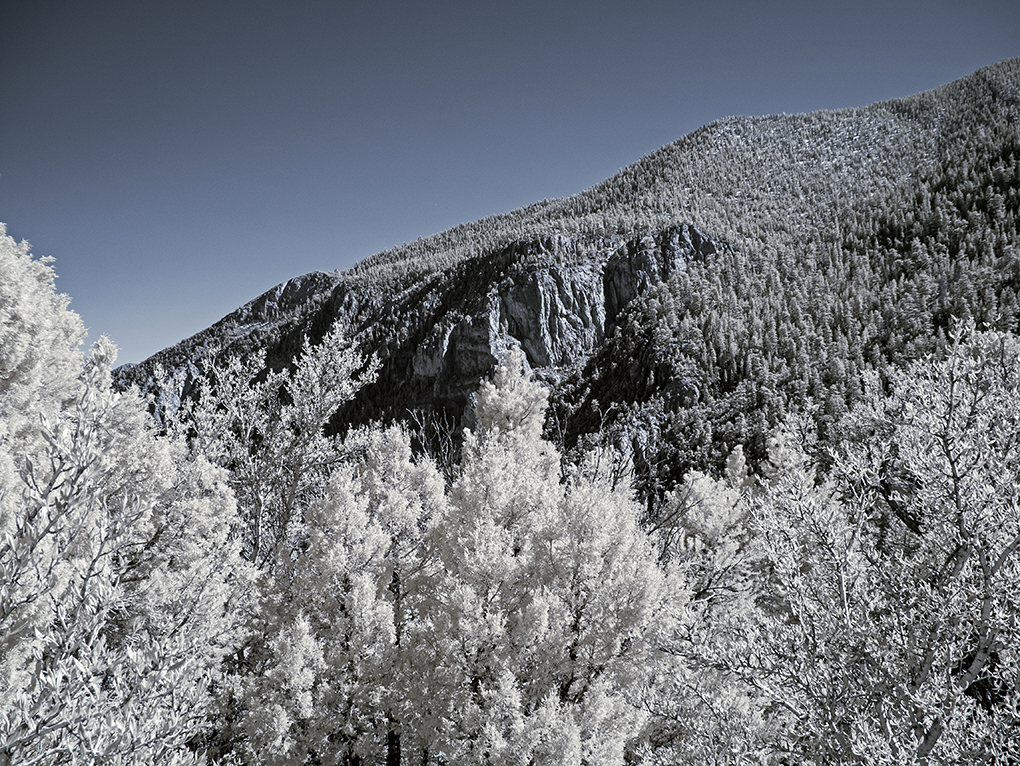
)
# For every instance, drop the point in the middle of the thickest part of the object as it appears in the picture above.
(114, 562)
(556, 587)
(268, 427)
(348, 612)
(513, 619)
(886, 625)
(40, 359)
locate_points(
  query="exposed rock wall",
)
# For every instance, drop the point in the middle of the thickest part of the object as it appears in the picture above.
(555, 312)
(649, 260)
(557, 298)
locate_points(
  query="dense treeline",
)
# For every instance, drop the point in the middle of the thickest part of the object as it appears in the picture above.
(747, 180)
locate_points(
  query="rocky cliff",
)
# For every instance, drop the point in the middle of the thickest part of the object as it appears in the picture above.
(557, 298)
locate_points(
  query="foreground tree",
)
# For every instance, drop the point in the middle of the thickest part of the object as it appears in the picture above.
(887, 623)
(703, 711)
(341, 654)
(115, 563)
(556, 594)
(40, 360)
(511, 620)
(268, 427)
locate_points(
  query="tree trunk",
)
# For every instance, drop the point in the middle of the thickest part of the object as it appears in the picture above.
(393, 748)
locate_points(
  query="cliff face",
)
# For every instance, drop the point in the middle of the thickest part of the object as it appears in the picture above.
(557, 298)
(649, 260)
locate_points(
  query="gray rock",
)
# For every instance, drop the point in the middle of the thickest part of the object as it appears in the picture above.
(557, 313)
(556, 298)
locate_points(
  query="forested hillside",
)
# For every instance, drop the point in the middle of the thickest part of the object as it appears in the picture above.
(715, 462)
(719, 354)
(774, 261)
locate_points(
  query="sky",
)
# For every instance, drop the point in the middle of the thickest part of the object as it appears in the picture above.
(177, 159)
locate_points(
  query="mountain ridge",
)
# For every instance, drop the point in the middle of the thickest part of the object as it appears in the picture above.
(774, 198)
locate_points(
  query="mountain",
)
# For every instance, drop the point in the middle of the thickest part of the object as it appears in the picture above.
(758, 266)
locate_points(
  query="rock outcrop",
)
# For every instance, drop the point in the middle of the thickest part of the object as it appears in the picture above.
(648, 260)
(557, 298)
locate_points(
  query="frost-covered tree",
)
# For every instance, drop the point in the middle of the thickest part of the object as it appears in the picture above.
(703, 712)
(513, 619)
(887, 626)
(115, 563)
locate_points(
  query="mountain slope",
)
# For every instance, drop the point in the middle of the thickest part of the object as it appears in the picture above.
(681, 307)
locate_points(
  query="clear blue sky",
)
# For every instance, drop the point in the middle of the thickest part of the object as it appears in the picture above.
(179, 158)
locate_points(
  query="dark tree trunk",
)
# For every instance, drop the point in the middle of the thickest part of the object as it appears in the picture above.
(392, 748)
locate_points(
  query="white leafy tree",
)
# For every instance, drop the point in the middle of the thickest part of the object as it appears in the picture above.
(704, 712)
(268, 428)
(513, 619)
(888, 623)
(115, 563)
(40, 359)
(338, 677)
(554, 598)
